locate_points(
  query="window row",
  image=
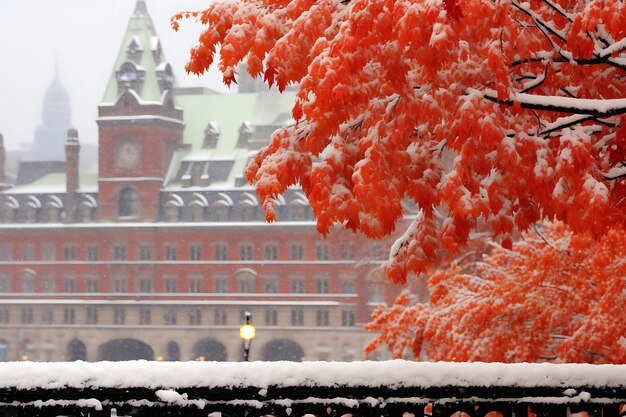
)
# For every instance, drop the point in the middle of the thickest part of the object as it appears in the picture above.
(171, 316)
(195, 251)
(245, 281)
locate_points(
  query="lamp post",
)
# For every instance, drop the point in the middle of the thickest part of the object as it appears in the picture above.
(247, 333)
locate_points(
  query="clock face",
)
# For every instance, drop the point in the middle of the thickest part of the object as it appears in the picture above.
(129, 155)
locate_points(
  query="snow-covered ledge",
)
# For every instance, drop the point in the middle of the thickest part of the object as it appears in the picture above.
(287, 389)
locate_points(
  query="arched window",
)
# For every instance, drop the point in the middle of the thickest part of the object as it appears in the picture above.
(173, 208)
(33, 207)
(128, 203)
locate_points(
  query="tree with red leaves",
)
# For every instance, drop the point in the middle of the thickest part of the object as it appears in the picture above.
(495, 114)
(553, 296)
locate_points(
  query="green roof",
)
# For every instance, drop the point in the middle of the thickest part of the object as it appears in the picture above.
(229, 112)
(140, 27)
(55, 183)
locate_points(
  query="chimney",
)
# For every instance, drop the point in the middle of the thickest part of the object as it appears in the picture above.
(72, 150)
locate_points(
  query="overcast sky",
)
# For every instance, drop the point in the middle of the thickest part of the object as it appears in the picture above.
(85, 36)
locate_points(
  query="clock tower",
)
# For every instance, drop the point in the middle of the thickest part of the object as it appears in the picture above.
(139, 125)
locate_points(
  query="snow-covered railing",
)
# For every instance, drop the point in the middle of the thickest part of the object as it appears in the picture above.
(321, 389)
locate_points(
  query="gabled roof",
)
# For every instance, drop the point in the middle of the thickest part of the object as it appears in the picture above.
(140, 31)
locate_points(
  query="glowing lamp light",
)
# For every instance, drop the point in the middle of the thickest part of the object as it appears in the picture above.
(247, 332)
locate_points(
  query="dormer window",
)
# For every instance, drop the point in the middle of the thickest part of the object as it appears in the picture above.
(165, 76)
(130, 76)
(134, 50)
(255, 136)
(155, 48)
(200, 174)
(211, 136)
(245, 133)
(173, 208)
(33, 208)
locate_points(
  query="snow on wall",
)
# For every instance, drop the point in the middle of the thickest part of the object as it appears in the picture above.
(398, 373)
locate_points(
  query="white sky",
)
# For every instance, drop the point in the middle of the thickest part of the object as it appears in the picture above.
(85, 36)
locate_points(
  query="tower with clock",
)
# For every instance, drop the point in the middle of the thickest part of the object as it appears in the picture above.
(140, 127)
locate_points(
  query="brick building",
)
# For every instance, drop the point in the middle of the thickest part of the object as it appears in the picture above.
(159, 253)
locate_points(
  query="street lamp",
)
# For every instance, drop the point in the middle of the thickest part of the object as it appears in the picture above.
(247, 333)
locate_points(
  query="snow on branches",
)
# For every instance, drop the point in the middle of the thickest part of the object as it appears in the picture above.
(528, 98)
(553, 296)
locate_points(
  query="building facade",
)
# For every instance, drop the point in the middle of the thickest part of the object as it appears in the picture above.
(159, 254)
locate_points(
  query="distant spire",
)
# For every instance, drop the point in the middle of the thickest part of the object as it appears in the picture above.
(140, 8)
(56, 67)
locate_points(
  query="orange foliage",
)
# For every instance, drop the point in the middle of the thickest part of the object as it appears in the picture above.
(493, 113)
(554, 296)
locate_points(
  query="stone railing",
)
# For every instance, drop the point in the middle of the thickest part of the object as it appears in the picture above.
(318, 389)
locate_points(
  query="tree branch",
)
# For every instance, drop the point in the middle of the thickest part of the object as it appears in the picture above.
(595, 107)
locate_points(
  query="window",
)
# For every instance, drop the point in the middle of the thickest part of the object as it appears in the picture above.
(170, 284)
(5, 284)
(118, 285)
(27, 251)
(145, 315)
(347, 252)
(270, 285)
(48, 283)
(119, 315)
(297, 251)
(376, 250)
(169, 317)
(69, 284)
(296, 284)
(248, 213)
(27, 280)
(297, 318)
(171, 251)
(221, 252)
(69, 252)
(69, 316)
(47, 317)
(145, 252)
(48, 251)
(220, 284)
(195, 317)
(375, 292)
(348, 318)
(195, 252)
(271, 317)
(5, 251)
(322, 284)
(321, 252)
(92, 252)
(145, 284)
(5, 316)
(91, 316)
(245, 252)
(246, 284)
(348, 284)
(270, 252)
(27, 316)
(91, 284)
(128, 203)
(220, 317)
(119, 253)
(195, 284)
(322, 318)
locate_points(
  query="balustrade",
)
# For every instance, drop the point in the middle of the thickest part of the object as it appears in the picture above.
(312, 389)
